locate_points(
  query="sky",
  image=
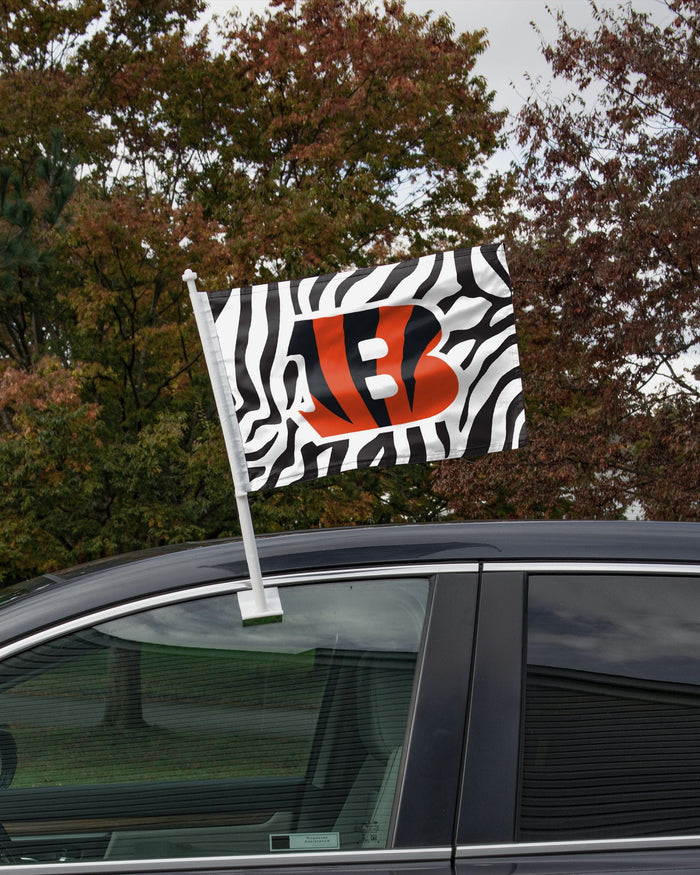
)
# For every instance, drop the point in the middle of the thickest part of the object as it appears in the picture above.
(514, 45)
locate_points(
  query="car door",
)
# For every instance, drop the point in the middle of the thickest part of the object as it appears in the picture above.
(163, 729)
(584, 742)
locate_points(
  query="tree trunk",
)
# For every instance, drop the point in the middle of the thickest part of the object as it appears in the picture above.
(123, 709)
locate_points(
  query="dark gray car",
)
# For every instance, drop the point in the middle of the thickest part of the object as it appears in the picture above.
(460, 698)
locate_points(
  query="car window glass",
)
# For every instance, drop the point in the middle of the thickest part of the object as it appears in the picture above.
(178, 732)
(611, 743)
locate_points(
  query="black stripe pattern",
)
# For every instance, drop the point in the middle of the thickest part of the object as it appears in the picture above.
(402, 363)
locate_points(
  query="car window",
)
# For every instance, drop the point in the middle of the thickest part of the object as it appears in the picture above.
(611, 744)
(179, 732)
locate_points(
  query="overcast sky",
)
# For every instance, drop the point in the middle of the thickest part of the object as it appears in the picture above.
(514, 45)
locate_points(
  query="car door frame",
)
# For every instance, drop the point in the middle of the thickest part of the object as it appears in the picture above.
(487, 818)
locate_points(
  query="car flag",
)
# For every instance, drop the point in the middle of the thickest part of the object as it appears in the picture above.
(409, 362)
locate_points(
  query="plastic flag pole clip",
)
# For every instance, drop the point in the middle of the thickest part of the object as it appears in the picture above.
(258, 605)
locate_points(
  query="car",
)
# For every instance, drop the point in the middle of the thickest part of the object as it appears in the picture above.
(453, 698)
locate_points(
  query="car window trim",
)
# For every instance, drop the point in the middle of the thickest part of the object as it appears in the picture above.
(384, 856)
(122, 609)
(586, 566)
(577, 846)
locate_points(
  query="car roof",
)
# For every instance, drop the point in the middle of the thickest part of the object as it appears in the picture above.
(55, 597)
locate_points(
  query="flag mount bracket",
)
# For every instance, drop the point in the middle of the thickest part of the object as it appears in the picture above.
(258, 604)
(253, 614)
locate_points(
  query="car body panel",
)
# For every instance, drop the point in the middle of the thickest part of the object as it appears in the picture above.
(120, 579)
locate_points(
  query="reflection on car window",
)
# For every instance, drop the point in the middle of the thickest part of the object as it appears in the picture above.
(612, 712)
(179, 732)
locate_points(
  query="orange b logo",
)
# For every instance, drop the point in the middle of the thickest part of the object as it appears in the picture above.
(373, 369)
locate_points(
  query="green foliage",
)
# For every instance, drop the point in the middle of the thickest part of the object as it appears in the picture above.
(323, 134)
(369, 497)
(100, 756)
(33, 218)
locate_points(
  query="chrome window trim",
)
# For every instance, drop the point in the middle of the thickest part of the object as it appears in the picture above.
(587, 567)
(465, 852)
(188, 593)
(418, 569)
(383, 856)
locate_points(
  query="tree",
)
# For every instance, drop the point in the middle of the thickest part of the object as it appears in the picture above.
(123, 702)
(605, 258)
(321, 135)
(32, 219)
(351, 130)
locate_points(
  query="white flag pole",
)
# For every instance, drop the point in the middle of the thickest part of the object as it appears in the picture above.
(257, 605)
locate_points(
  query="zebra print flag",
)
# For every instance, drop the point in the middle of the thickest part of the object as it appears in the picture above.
(409, 362)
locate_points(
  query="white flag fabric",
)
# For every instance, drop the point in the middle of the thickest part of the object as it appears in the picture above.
(409, 362)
